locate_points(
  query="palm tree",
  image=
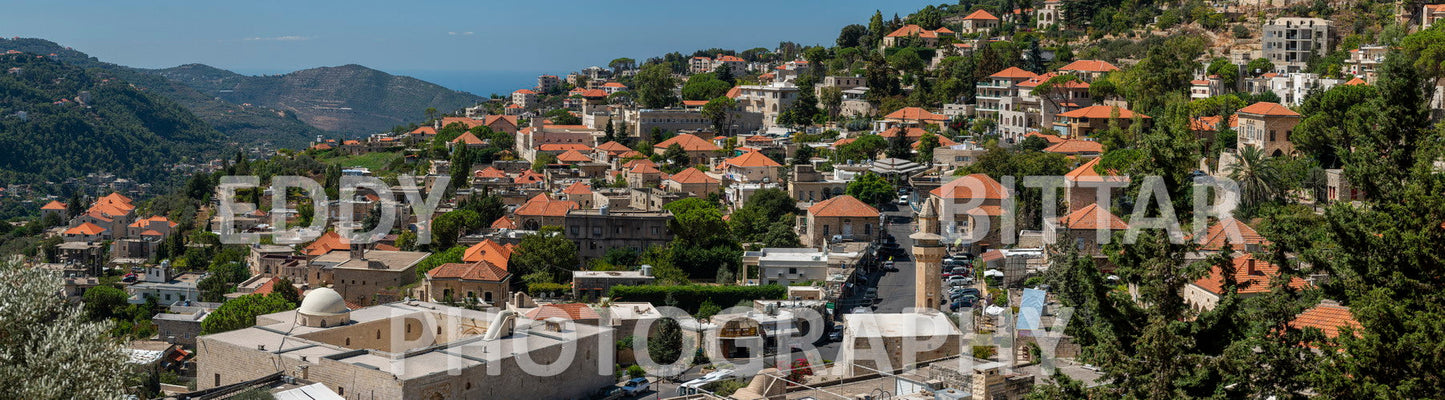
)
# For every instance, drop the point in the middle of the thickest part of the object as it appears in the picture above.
(1258, 179)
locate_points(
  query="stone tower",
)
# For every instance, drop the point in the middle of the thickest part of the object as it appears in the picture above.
(928, 253)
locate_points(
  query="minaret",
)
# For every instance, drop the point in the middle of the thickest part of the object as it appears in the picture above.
(928, 252)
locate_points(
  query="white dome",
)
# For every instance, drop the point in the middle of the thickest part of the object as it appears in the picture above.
(323, 302)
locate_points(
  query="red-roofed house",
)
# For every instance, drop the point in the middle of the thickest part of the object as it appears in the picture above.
(467, 139)
(327, 243)
(86, 232)
(1267, 126)
(1085, 121)
(692, 181)
(998, 94)
(1082, 185)
(524, 98)
(929, 37)
(752, 166)
(1077, 148)
(698, 149)
(1233, 232)
(541, 211)
(913, 117)
(1088, 70)
(1251, 276)
(1084, 227)
(979, 21)
(843, 217)
(479, 281)
(580, 192)
(1329, 317)
(504, 222)
(53, 207)
(957, 219)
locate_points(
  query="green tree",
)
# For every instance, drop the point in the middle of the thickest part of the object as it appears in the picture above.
(831, 98)
(1258, 179)
(676, 156)
(102, 302)
(1259, 66)
(717, 110)
(871, 188)
(926, 144)
(241, 312)
(705, 86)
(51, 350)
(546, 252)
(654, 85)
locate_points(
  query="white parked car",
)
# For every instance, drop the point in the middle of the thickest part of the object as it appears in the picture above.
(959, 280)
(902, 200)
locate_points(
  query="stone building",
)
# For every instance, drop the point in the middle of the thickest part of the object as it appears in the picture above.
(478, 282)
(410, 350)
(871, 340)
(841, 217)
(374, 276)
(1267, 126)
(597, 230)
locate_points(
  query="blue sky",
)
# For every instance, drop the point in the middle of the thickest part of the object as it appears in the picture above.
(434, 38)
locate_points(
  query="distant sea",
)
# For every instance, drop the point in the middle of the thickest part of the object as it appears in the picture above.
(481, 83)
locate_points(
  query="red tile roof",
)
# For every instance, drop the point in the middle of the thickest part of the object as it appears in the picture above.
(689, 142)
(1013, 72)
(1328, 318)
(524, 91)
(915, 30)
(570, 311)
(564, 147)
(1053, 139)
(572, 156)
(734, 92)
(490, 173)
(1253, 276)
(696, 103)
(1218, 235)
(1087, 218)
(528, 177)
(54, 205)
(489, 251)
(1211, 123)
(1090, 66)
(594, 93)
(85, 229)
(504, 223)
(613, 147)
(843, 206)
(578, 188)
(1074, 146)
(470, 123)
(644, 168)
(1099, 112)
(1088, 172)
(980, 15)
(910, 133)
(962, 188)
(752, 159)
(424, 130)
(328, 242)
(1357, 80)
(541, 205)
(468, 138)
(914, 114)
(692, 175)
(1268, 109)
(477, 271)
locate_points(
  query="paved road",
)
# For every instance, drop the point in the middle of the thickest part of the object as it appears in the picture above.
(895, 289)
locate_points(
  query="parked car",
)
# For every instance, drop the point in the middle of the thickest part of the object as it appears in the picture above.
(958, 293)
(963, 302)
(902, 200)
(636, 386)
(957, 280)
(872, 292)
(837, 334)
(960, 270)
(128, 278)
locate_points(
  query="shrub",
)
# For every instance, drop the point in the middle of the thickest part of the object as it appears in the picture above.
(984, 352)
(691, 297)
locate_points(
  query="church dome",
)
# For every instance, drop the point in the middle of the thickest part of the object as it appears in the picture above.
(323, 302)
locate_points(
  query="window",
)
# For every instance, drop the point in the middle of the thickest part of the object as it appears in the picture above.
(867, 229)
(575, 230)
(596, 231)
(1271, 135)
(218, 380)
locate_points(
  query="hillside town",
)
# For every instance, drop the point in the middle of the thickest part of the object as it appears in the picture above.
(805, 205)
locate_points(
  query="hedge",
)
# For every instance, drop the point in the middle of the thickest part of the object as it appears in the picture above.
(690, 297)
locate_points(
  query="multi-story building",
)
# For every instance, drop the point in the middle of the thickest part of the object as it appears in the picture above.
(979, 21)
(597, 230)
(970, 209)
(999, 94)
(808, 185)
(1364, 60)
(1085, 121)
(768, 100)
(699, 65)
(1431, 14)
(1290, 42)
(524, 98)
(751, 167)
(372, 276)
(1052, 13)
(548, 83)
(928, 37)
(1267, 126)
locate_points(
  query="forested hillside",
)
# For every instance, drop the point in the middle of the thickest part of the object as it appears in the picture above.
(61, 121)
